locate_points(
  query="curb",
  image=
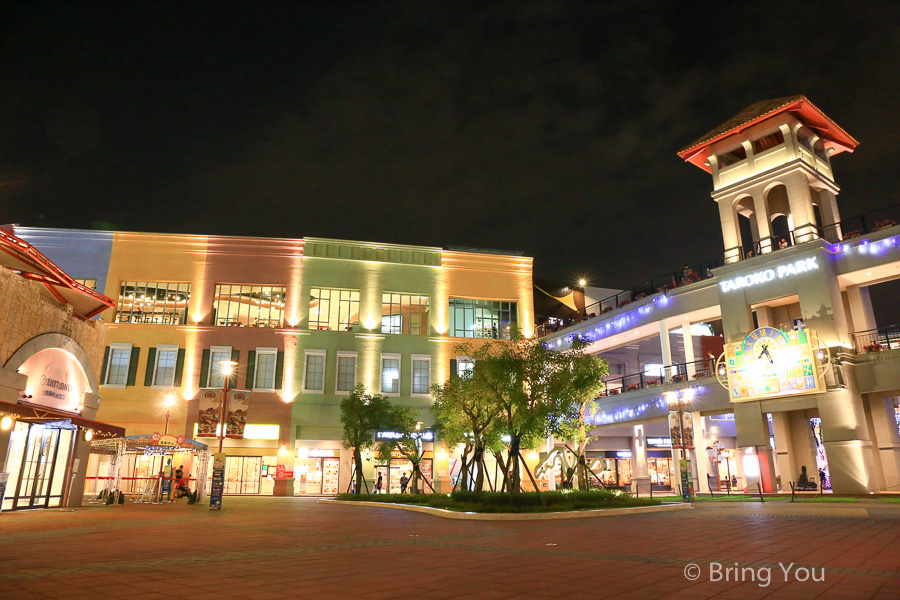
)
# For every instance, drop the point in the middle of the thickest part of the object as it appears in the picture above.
(468, 516)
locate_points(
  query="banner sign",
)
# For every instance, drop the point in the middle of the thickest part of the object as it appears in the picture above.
(210, 409)
(674, 429)
(687, 430)
(236, 413)
(217, 486)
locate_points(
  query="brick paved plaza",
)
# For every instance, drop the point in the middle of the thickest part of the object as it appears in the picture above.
(296, 548)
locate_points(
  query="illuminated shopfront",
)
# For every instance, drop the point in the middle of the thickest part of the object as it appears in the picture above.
(316, 471)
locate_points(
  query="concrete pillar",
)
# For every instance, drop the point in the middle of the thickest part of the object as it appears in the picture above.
(800, 201)
(783, 443)
(803, 448)
(883, 427)
(828, 208)
(665, 348)
(861, 312)
(700, 459)
(761, 222)
(730, 232)
(82, 453)
(821, 303)
(753, 446)
(640, 477)
(764, 317)
(689, 357)
(790, 143)
(848, 447)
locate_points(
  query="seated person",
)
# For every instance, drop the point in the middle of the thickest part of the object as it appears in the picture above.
(803, 482)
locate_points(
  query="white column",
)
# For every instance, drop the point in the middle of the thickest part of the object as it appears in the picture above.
(665, 347)
(688, 340)
(860, 308)
(640, 477)
(886, 439)
(784, 443)
(700, 461)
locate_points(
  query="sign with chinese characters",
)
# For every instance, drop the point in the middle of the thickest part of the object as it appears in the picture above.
(771, 362)
(210, 410)
(659, 442)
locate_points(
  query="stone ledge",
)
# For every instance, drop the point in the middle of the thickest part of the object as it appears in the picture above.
(467, 516)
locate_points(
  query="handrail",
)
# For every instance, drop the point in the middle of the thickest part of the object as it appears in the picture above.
(675, 373)
(875, 340)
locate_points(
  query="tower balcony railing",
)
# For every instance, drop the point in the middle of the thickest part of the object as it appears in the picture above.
(841, 231)
(876, 340)
(669, 374)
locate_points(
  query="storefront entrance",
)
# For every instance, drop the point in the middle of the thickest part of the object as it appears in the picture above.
(37, 463)
(317, 476)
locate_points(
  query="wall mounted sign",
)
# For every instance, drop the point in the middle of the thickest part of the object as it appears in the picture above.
(659, 442)
(55, 379)
(771, 362)
(426, 435)
(767, 275)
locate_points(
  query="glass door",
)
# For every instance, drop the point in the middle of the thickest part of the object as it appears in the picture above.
(242, 474)
(38, 463)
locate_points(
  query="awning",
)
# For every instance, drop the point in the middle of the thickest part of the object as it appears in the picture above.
(23, 258)
(38, 414)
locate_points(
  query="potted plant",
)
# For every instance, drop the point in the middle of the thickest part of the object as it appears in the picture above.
(876, 347)
(677, 378)
(632, 387)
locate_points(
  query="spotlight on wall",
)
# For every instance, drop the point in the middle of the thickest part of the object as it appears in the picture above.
(88, 435)
(6, 423)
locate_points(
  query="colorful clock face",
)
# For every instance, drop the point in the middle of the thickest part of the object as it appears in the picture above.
(764, 344)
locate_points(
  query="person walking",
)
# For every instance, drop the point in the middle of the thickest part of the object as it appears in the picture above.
(404, 481)
(378, 484)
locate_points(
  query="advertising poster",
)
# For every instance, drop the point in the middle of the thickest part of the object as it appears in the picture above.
(674, 429)
(217, 485)
(236, 413)
(210, 408)
(330, 481)
(687, 430)
(167, 482)
(687, 483)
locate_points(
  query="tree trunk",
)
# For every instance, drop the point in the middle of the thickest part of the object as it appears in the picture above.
(478, 460)
(498, 456)
(515, 476)
(357, 460)
(581, 467)
(413, 485)
(464, 469)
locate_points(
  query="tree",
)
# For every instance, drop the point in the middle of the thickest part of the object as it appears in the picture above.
(540, 391)
(402, 421)
(463, 414)
(362, 415)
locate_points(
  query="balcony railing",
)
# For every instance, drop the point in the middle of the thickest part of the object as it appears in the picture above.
(875, 340)
(839, 232)
(687, 275)
(677, 373)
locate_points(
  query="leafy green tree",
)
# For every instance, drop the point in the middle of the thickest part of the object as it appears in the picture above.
(463, 414)
(403, 421)
(362, 415)
(540, 391)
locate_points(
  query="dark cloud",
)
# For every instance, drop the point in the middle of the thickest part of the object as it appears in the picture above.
(549, 127)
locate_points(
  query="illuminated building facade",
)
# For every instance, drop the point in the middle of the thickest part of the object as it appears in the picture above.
(305, 319)
(807, 384)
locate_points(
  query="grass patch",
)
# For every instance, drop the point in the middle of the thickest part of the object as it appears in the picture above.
(525, 502)
(891, 500)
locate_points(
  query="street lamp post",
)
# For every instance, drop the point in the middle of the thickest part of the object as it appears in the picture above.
(680, 402)
(227, 368)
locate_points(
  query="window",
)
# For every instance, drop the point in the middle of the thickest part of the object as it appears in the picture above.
(264, 376)
(164, 373)
(346, 371)
(404, 313)
(421, 375)
(465, 366)
(337, 310)
(248, 305)
(314, 376)
(117, 365)
(390, 374)
(90, 283)
(153, 302)
(217, 354)
(482, 318)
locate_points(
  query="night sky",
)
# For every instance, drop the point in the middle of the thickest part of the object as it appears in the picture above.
(546, 127)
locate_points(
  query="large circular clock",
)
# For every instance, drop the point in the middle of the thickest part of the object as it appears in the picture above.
(764, 344)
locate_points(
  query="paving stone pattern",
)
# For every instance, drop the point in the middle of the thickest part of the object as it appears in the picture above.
(260, 548)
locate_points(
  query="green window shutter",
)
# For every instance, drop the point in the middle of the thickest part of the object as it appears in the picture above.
(251, 369)
(132, 366)
(151, 364)
(453, 373)
(279, 370)
(179, 367)
(204, 369)
(232, 379)
(105, 364)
